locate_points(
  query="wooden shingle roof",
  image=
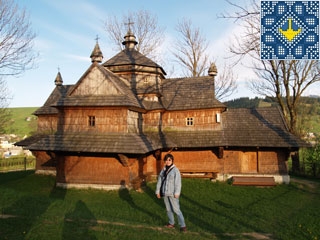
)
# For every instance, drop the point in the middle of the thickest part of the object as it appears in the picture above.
(96, 143)
(60, 96)
(189, 93)
(132, 57)
(262, 127)
(176, 94)
(58, 93)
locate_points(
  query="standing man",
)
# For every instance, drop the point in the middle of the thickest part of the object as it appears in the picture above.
(169, 187)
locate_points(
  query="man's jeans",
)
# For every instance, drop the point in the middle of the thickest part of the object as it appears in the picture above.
(173, 206)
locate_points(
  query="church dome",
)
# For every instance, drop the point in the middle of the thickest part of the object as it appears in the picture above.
(212, 71)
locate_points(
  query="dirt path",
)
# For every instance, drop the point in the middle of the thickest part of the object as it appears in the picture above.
(3, 216)
(312, 185)
(250, 235)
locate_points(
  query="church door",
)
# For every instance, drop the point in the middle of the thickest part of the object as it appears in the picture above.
(249, 162)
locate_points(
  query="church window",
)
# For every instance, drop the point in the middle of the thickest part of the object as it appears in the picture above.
(189, 121)
(91, 121)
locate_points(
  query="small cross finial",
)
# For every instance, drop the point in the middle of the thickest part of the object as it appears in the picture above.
(97, 38)
(128, 24)
(58, 69)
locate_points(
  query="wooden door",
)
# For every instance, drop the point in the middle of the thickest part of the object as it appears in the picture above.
(249, 162)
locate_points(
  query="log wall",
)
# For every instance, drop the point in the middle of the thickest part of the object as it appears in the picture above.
(47, 123)
(44, 162)
(111, 171)
(202, 120)
(151, 121)
(106, 120)
(95, 170)
(196, 160)
(274, 162)
(233, 161)
(124, 120)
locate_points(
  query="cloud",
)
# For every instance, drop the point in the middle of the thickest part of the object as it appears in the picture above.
(78, 58)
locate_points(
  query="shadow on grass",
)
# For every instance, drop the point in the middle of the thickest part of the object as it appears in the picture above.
(12, 176)
(125, 195)
(26, 211)
(151, 193)
(215, 210)
(79, 223)
(33, 194)
(195, 217)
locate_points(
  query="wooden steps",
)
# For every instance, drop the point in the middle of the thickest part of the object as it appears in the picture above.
(253, 181)
(199, 174)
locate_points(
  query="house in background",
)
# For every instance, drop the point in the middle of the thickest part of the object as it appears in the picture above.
(114, 125)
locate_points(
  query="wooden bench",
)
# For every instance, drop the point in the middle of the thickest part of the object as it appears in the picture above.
(199, 174)
(253, 181)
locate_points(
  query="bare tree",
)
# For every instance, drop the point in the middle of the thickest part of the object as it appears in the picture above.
(286, 81)
(225, 83)
(248, 17)
(190, 53)
(16, 41)
(144, 25)
(4, 102)
(16, 50)
(190, 50)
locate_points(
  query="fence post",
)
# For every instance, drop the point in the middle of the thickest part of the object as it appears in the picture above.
(25, 163)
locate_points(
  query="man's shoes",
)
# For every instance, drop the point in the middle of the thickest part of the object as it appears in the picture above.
(169, 225)
(183, 229)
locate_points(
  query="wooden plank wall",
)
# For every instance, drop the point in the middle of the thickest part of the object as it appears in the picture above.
(94, 170)
(106, 119)
(233, 161)
(203, 120)
(95, 83)
(196, 160)
(47, 123)
(44, 161)
(274, 161)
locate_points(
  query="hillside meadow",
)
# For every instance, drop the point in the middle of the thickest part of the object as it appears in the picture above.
(21, 122)
(31, 207)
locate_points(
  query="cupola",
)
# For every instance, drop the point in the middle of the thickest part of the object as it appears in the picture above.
(58, 81)
(96, 55)
(212, 71)
(129, 40)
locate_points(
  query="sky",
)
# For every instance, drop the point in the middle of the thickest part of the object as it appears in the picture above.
(67, 29)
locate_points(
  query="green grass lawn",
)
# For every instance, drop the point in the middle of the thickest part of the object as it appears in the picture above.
(32, 208)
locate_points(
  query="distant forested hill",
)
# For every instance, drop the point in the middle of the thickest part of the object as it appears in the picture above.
(309, 110)
(246, 102)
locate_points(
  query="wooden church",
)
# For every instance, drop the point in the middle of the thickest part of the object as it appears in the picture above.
(113, 126)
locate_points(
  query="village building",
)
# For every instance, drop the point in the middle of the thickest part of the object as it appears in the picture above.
(114, 125)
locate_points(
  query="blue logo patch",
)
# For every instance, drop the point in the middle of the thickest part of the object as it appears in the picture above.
(289, 30)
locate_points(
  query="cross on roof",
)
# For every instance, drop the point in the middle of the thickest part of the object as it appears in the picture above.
(129, 23)
(97, 38)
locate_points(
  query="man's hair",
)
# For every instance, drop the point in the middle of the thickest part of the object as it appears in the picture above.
(168, 155)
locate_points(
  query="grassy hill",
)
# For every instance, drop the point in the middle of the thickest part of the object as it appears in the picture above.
(21, 122)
